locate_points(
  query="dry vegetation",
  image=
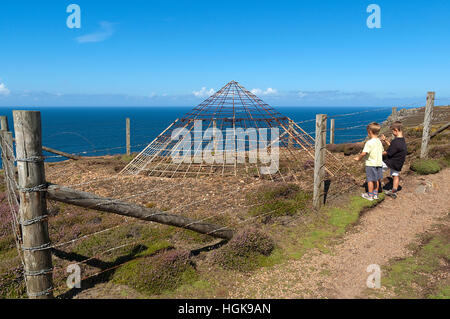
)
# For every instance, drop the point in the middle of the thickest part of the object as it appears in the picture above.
(137, 259)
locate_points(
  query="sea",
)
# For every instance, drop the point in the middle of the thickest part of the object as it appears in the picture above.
(97, 131)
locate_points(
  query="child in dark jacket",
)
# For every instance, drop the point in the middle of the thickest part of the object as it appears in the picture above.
(395, 156)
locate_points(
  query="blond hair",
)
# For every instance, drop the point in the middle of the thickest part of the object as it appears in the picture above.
(374, 128)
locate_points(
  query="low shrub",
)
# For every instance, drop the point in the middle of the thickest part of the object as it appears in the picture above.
(413, 131)
(280, 200)
(156, 274)
(12, 285)
(425, 166)
(440, 151)
(127, 158)
(412, 147)
(352, 149)
(346, 148)
(245, 250)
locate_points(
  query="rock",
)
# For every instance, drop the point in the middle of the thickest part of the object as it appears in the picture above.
(424, 187)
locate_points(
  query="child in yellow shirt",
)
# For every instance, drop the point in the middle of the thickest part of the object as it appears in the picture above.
(373, 149)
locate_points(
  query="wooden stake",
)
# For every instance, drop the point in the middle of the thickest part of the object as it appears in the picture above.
(291, 130)
(427, 124)
(68, 155)
(71, 156)
(319, 161)
(33, 207)
(332, 131)
(128, 137)
(8, 160)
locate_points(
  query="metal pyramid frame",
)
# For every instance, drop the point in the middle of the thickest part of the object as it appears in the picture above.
(232, 108)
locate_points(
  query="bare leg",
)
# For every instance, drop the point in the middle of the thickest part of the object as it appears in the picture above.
(370, 186)
(396, 182)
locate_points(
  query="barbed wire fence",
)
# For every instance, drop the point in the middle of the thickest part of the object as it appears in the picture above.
(117, 196)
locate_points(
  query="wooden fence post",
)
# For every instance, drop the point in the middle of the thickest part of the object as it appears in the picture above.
(8, 160)
(128, 137)
(33, 207)
(3, 127)
(319, 161)
(394, 114)
(291, 131)
(427, 124)
(332, 131)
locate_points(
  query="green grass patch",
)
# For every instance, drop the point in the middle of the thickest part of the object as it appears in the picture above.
(280, 200)
(330, 224)
(443, 293)
(425, 166)
(12, 285)
(127, 158)
(6, 243)
(415, 276)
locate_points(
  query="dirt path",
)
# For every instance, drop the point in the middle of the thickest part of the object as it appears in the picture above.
(382, 234)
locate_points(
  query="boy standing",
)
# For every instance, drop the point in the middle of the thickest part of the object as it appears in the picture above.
(395, 156)
(374, 162)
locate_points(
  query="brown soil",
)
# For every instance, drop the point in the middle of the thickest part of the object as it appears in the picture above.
(383, 233)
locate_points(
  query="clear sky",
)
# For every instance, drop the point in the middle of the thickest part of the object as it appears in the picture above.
(167, 52)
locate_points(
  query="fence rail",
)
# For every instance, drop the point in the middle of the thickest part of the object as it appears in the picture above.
(31, 191)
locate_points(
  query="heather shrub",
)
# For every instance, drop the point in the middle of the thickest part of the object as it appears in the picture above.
(412, 147)
(440, 151)
(281, 200)
(155, 274)
(12, 284)
(308, 164)
(352, 149)
(425, 166)
(346, 148)
(5, 219)
(413, 131)
(245, 250)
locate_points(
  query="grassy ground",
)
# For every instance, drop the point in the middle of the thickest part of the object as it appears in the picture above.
(425, 274)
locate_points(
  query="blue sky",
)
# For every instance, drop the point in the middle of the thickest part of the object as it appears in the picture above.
(175, 52)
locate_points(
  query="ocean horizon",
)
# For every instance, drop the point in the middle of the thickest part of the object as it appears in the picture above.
(98, 131)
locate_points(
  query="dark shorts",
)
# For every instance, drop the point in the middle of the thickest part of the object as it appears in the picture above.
(374, 173)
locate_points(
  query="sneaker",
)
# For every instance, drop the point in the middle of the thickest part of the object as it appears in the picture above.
(367, 196)
(375, 196)
(391, 194)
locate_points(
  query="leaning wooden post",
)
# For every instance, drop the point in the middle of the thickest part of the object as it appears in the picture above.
(4, 123)
(394, 115)
(332, 131)
(128, 137)
(319, 161)
(427, 124)
(33, 208)
(291, 132)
